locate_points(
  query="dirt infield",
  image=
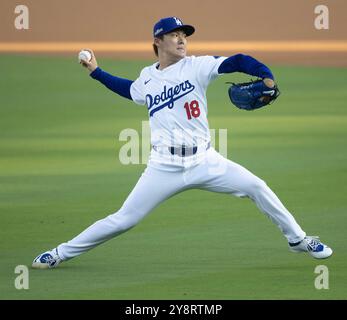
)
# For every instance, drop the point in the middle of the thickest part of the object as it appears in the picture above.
(65, 26)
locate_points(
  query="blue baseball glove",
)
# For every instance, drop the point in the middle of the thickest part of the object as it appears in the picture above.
(252, 95)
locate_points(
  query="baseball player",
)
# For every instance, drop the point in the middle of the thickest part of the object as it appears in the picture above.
(174, 91)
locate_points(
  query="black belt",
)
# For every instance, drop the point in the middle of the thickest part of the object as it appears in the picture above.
(183, 151)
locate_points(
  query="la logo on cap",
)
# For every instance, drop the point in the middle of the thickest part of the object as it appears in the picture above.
(178, 21)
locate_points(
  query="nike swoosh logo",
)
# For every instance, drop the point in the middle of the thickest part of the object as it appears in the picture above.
(270, 92)
(147, 81)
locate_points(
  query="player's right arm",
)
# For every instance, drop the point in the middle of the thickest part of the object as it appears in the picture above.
(118, 85)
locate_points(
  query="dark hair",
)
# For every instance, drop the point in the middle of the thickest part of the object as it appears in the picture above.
(155, 48)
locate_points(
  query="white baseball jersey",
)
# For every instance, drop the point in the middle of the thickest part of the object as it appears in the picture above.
(176, 100)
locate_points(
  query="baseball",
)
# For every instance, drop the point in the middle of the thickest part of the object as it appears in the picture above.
(84, 55)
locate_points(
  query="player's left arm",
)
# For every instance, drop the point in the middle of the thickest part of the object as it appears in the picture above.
(249, 65)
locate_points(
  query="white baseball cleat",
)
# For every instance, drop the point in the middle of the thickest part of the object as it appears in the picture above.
(313, 246)
(47, 260)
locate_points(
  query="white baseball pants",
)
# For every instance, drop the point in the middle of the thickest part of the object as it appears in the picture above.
(162, 179)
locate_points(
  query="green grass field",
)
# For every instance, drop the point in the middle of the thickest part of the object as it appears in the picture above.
(60, 172)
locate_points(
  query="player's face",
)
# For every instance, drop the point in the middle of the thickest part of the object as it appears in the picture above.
(174, 44)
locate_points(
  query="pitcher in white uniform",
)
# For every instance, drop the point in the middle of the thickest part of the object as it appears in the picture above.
(174, 91)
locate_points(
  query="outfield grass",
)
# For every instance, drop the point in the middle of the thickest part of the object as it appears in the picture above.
(60, 172)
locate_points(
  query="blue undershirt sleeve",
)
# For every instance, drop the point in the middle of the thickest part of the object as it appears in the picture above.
(118, 85)
(245, 64)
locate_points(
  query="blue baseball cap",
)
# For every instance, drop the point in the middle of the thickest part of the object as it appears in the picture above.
(170, 24)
